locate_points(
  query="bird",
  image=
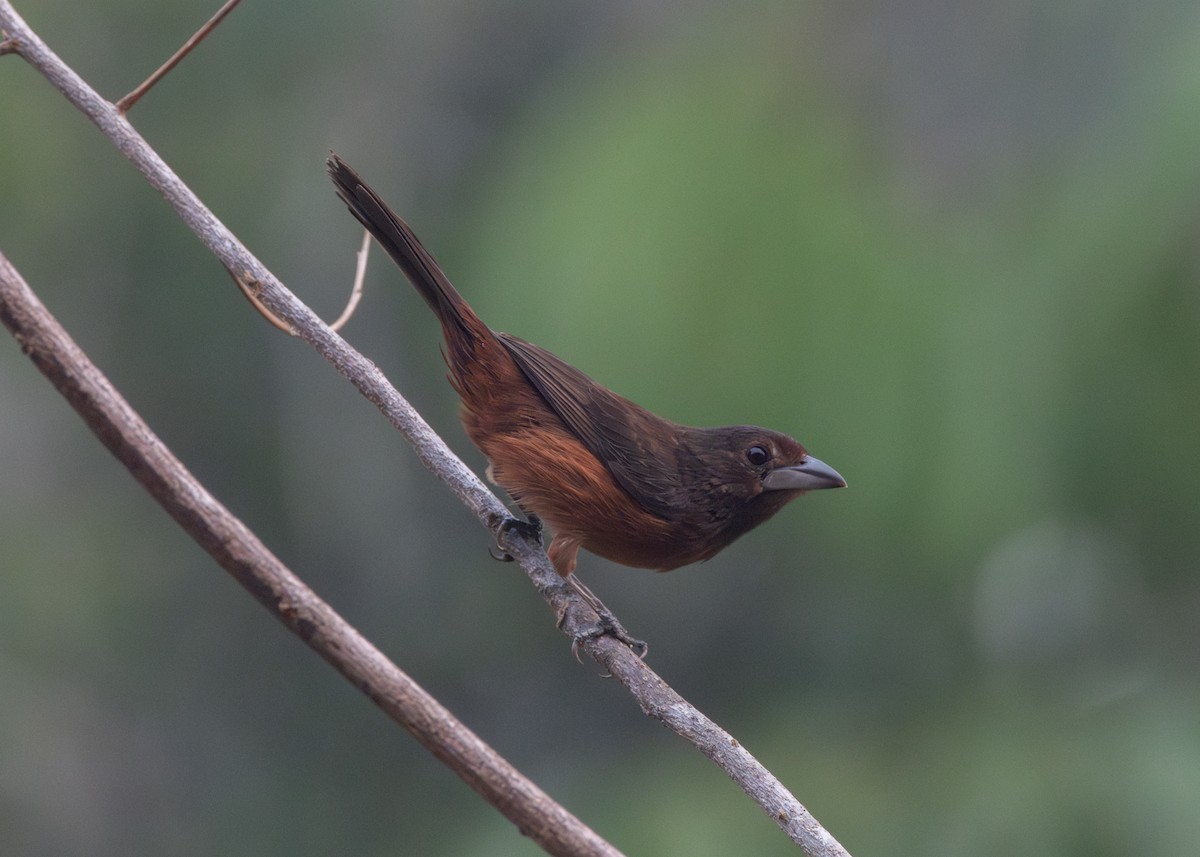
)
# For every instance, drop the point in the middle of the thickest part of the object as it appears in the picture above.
(603, 473)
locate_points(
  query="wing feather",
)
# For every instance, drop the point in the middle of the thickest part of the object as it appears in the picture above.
(639, 448)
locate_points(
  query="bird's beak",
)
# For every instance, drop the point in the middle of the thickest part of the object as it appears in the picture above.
(809, 475)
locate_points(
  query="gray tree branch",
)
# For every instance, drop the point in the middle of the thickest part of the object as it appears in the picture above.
(235, 546)
(239, 551)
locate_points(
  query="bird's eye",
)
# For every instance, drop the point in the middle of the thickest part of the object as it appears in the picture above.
(758, 456)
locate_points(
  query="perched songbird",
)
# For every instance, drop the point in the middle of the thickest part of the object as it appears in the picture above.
(604, 473)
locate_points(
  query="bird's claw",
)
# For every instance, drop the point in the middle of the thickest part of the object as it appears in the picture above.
(529, 529)
(605, 626)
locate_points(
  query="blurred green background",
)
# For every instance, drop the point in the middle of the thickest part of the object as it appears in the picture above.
(954, 248)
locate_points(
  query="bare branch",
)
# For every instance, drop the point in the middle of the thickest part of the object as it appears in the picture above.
(654, 696)
(239, 552)
(133, 97)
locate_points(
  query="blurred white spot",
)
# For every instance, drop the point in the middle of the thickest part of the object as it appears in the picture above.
(1046, 591)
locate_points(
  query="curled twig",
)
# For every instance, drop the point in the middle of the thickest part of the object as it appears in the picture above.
(250, 288)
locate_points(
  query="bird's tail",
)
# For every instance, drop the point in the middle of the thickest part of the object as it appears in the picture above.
(402, 245)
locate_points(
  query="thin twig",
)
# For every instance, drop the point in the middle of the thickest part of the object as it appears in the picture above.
(285, 596)
(132, 98)
(356, 290)
(360, 274)
(654, 696)
(249, 294)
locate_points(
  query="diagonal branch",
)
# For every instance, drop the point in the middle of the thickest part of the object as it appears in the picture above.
(655, 697)
(239, 551)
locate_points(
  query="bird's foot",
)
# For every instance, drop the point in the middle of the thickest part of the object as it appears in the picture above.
(608, 626)
(528, 529)
(605, 626)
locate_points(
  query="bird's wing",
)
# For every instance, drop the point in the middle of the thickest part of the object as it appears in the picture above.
(637, 447)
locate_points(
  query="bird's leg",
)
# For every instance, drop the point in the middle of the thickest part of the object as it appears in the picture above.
(608, 623)
(531, 528)
(562, 554)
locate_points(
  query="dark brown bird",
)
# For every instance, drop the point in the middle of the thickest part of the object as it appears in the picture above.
(605, 474)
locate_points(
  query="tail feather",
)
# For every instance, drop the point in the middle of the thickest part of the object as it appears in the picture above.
(395, 236)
